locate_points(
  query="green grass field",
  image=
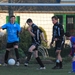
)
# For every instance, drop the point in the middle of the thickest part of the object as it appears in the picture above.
(32, 70)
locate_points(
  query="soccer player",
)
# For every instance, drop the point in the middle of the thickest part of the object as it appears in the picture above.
(13, 30)
(58, 37)
(35, 33)
(72, 53)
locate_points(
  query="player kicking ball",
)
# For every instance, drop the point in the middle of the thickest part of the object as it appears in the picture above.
(35, 33)
(72, 53)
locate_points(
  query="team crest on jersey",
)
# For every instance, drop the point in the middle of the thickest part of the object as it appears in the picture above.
(14, 25)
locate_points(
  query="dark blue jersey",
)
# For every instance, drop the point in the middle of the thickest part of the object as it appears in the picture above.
(37, 32)
(72, 41)
(12, 31)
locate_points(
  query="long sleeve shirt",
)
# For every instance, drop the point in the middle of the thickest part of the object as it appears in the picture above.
(37, 32)
(58, 32)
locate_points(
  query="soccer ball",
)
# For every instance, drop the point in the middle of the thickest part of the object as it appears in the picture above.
(11, 61)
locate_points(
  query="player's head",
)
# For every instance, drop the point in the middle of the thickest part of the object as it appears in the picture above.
(12, 19)
(29, 22)
(54, 19)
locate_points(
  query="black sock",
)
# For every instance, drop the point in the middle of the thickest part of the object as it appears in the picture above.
(17, 54)
(60, 64)
(39, 62)
(6, 56)
(28, 57)
(57, 64)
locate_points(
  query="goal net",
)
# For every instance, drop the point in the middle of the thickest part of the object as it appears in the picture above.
(40, 12)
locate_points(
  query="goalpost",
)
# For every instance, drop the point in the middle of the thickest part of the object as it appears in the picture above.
(37, 4)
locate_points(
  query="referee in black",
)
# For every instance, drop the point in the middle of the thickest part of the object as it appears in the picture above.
(35, 33)
(58, 37)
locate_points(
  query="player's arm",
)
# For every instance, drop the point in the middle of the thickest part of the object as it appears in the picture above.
(3, 27)
(31, 33)
(43, 37)
(18, 28)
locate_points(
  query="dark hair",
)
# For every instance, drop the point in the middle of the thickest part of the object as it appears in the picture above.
(67, 34)
(55, 17)
(29, 20)
(12, 16)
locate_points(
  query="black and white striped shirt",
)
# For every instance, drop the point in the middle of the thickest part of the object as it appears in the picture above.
(58, 32)
(37, 32)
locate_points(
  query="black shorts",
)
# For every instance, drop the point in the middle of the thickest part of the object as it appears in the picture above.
(59, 45)
(11, 45)
(36, 45)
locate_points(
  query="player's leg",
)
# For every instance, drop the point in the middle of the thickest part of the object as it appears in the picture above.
(29, 54)
(58, 55)
(8, 47)
(16, 52)
(59, 58)
(39, 60)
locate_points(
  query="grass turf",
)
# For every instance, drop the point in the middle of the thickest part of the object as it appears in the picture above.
(31, 70)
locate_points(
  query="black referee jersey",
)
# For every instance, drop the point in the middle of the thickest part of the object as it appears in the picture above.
(37, 32)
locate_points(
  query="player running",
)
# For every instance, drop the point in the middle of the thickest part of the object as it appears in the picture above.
(35, 33)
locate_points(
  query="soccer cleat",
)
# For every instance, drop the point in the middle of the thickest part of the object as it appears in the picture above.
(41, 68)
(4, 64)
(25, 64)
(17, 63)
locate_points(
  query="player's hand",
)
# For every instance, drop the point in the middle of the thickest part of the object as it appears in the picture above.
(29, 29)
(51, 45)
(45, 41)
(55, 39)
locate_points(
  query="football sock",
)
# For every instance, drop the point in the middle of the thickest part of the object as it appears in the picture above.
(6, 56)
(17, 54)
(60, 64)
(57, 63)
(28, 57)
(39, 62)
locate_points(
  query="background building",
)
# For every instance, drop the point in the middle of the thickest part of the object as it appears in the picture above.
(42, 15)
